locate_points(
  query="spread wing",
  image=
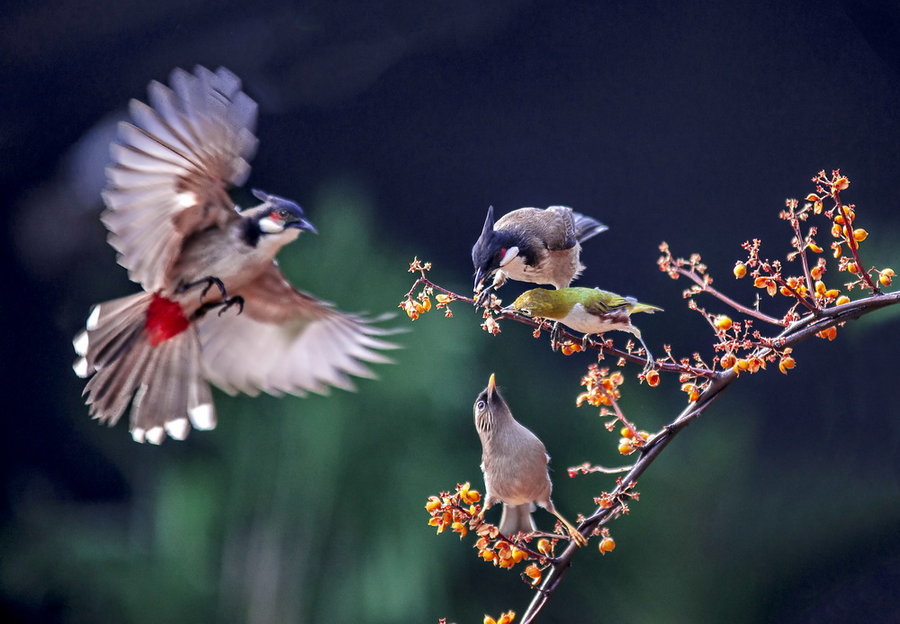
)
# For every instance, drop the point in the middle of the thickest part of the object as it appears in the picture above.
(171, 167)
(286, 341)
(555, 226)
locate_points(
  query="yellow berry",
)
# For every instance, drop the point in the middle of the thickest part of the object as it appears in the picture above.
(786, 364)
(607, 544)
(625, 432)
(723, 322)
(852, 267)
(842, 300)
(740, 270)
(860, 235)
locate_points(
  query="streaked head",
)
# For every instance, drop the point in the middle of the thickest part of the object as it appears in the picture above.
(489, 407)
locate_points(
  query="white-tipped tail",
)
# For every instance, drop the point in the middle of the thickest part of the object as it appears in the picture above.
(162, 382)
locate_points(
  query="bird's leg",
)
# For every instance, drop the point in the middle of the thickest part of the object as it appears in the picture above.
(555, 333)
(585, 342)
(650, 360)
(574, 533)
(207, 283)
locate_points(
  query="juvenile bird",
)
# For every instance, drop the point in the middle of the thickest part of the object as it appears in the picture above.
(514, 463)
(531, 245)
(587, 310)
(184, 241)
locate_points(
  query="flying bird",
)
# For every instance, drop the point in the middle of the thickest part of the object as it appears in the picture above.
(215, 308)
(514, 463)
(587, 310)
(531, 245)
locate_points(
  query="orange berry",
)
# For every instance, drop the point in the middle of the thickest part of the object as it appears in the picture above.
(852, 267)
(723, 322)
(841, 183)
(652, 378)
(433, 503)
(832, 293)
(489, 620)
(886, 277)
(740, 270)
(817, 272)
(442, 298)
(626, 446)
(829, 334)
(534, 573)
(625, 432)
(786, 364)
(543, 547)
(815, 248)
(812, 197)
(727, 360)
(761, 282)
(842, 300)
(860, 235)
(837, 230)
(607, 544)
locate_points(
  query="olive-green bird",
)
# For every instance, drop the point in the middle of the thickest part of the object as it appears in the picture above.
(514, 463)
(587, 310)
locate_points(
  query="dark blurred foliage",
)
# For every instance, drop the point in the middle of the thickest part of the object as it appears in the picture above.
(396, 124)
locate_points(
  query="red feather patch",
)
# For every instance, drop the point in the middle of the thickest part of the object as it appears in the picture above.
(165, 319)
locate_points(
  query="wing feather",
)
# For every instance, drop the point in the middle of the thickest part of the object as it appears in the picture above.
(171, 167)
(288, 342)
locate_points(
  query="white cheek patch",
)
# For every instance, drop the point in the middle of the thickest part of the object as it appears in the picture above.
(509, 256)
(271, 226)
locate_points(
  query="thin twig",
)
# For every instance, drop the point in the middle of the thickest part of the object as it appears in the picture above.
(797, 332)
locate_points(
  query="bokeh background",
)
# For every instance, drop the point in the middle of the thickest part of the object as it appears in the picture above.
(396, 124)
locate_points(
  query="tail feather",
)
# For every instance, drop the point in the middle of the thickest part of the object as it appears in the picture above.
(587, 227)
(645, 307)
(164, 384)
(517, 519)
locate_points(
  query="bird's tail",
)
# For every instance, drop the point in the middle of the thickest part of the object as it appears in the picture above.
(516, 519)
(586, 227)
(645, 307)
(141, 347)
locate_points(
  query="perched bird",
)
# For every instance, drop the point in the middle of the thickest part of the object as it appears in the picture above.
(531, 245)
(588, 310)
(514, 463)
(184, 241)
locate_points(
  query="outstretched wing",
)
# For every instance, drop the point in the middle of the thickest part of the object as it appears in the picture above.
(171, 168)
(287, 342)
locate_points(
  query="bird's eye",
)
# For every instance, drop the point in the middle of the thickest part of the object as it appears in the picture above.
(481, 405)
(283, 213)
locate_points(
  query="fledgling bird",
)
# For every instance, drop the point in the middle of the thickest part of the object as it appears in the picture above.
(514, 463)
(531, 245)
(587, 310)
(185, 242)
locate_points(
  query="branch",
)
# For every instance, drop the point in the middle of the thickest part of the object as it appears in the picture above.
(797, 332)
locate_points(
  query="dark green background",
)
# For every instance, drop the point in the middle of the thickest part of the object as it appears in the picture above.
(395, 126)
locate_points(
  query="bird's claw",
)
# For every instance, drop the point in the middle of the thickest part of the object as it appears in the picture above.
(236, 300)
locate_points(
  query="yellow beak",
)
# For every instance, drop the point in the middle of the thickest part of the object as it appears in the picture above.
(492, 385)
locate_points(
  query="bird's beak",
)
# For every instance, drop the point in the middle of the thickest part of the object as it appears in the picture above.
(479, 279)
(492, 385)
(304, 224)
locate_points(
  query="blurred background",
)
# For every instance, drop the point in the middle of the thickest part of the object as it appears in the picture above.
(396, 124)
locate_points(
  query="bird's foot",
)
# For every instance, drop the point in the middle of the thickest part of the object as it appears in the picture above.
(237, 300)
(207, 283)
(579, 539)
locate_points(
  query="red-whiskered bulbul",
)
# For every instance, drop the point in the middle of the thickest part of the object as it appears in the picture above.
(531, 245)
(215, 307)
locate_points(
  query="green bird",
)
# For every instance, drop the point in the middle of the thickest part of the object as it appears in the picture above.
(587, 310)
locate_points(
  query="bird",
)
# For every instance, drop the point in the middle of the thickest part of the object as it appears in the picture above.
(193, 251)
(587, 310)
(541, 246)
(514, 462)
